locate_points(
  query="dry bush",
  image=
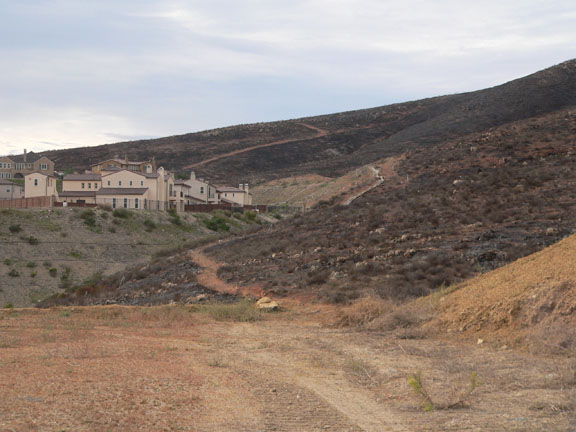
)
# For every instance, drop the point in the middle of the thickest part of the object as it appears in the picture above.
(363, 311)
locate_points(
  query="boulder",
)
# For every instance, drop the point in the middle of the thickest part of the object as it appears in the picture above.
(267, 304)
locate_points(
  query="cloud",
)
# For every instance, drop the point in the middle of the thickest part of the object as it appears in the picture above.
(85, 73)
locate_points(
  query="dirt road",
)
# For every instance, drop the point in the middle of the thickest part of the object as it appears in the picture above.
(319, 133)
(174, 368)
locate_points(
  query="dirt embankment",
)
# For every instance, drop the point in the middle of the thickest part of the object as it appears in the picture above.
(532, 300)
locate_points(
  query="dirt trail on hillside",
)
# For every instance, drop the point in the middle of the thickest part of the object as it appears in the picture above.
(319, 133)
(384, 171)
(208, 276)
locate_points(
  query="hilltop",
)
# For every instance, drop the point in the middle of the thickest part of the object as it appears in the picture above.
(331, 145)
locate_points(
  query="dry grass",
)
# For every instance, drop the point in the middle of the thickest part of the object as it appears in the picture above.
(363, 311)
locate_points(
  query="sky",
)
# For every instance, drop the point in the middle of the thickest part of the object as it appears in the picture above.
(80, 73)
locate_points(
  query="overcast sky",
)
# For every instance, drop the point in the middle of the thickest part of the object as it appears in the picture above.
(78, 73)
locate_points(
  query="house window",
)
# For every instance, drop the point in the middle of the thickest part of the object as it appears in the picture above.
(83, 185)
(125, 202)
(44, 167)
(181, 194)
(141, 182)
(119, 182)
(130, 182)
(108, 182)
(202, 190)
(145, 203)
(95, 185)
(113, 202)
(136, 203)
(35, 182)
(89, 185)
(8, 165)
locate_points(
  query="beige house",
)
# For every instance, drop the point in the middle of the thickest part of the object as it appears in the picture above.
(124, 164)
(201, 191)
(122, 188)
(38, 184)
(17, 166)
(10, 190)
(231, 195)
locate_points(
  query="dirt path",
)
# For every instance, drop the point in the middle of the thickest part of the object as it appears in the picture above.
(378, 182)
(208, 277)
(319, 133)
(385, 171)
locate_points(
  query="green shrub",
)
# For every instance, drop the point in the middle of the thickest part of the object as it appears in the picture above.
(13, 273)
(16, 228)
(8, 261)
(122, 213)
(217, 223)
(30, 264)
(149, 224)
(33, 274)
(33, 240)
(53, 271)
(8, 306)
(47, 264)
(250, 216)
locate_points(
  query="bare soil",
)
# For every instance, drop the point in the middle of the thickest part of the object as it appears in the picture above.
(175, 368)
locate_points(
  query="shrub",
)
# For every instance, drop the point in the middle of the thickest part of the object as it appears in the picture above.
(53, 271)
(122, 213)
(250, 216)
(33, 240)
(105, 207)
(13, 273)
(217, 223)
(16, 228)
(30, 264)
(8, 261)
(8, 306)
(149, 224)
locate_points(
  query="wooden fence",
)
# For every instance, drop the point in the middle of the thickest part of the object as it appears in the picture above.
(25, 203)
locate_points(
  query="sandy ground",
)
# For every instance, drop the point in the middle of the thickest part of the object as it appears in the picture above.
(174, 368)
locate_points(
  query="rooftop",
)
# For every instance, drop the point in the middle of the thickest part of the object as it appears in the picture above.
(122, 191)
(83, 177)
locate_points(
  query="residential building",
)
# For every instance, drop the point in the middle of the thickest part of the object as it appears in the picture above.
(80, 188)
(117, 164)
(231, 195)
(10, 190)
(122, 188)
(201, 191)
(17, 166)
(38, 184)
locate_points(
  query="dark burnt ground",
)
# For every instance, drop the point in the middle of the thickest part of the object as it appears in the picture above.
(163, 281)
(469, 205)
(353, 139)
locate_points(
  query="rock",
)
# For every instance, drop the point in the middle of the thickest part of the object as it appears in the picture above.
(267, 304)
(480, 341)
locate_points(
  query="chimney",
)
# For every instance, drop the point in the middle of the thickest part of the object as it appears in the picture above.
(25, 156)
(192, 175)
(241, 186)
(246, 187)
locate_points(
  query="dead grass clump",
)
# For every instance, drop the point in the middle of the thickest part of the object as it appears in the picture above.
(362, 312)
(243, 311)
(361, 373)
(461, 401)
(407, 316)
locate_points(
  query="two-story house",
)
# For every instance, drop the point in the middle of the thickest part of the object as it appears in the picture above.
(17, 166)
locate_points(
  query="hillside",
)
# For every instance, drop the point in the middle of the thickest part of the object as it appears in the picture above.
(332, 145)
(51, 251)
(453, 210)
(530, 302)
